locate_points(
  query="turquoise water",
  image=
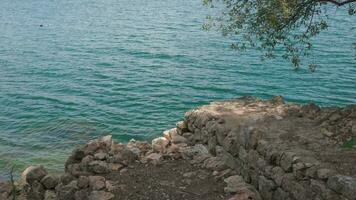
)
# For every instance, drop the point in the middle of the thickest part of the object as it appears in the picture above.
(132, 68)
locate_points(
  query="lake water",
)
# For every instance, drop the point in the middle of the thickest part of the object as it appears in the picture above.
(132, 68)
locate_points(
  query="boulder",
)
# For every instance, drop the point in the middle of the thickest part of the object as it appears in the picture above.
(177, 139)
(234, 183)
(344, 185)
(100, 156)
(195, 152)
(143, 146)
(33, 173)
(122, 154)
(97, 182)
(50, 181)
(266, 187)
(81, 194)
(66, 192)
(160, 144)
(34, 191)
(98, 167)
(66, 178)
(83, 182)
(154, 158)
(182, 127)
(91, 147)
(107, 141)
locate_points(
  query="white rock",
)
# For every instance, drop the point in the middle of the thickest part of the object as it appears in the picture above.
(160, 144)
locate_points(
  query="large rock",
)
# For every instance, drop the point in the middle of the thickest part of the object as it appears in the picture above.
(66, 178)
(34, 191)
(142, 146)
(234, 183)
(160, 144)
(81, 194)
(66, 192)
(98, 167)
(91, 147)
(154, 158)
(182, 127)
(101, 195)
(123, 154)
(266, 187)
(33, 173)
(344, 185)
(196, 152)
(83, 182)
(50, 181)
(97, 182)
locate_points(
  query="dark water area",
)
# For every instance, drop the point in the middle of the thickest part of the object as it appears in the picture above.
(132, 68)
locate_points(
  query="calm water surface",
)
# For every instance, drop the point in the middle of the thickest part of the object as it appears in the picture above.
(132, 68)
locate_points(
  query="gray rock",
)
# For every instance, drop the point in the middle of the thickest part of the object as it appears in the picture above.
(194, 152)
(234, 183)
(85, 162)
(215, 163)
(35, 190)
(33, 173)
(287, 161)
(81, 194)
(50, 195)
(142, 146)
(154, 158)
(230, 143)
(277, 175)
(50, 181)
(101, 195)
(98, 167)
(83, 182)
(266, 187)
(125, 156)
(100, 156)
(344, 185)
(66, 178)
(177, 139)
(298, 190)
(66, 192)
(97, 182)
(91, 147)
(212, 142)
(320, 189)
(78, 154)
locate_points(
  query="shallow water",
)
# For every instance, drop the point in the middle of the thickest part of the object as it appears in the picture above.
(132, 68)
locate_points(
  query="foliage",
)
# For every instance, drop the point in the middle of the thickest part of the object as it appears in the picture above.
(350, 143)
(268, 24)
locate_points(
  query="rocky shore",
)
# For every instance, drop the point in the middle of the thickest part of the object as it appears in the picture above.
(241, 149)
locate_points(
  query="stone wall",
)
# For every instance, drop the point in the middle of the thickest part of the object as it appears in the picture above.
(258, 149)
(277, 147)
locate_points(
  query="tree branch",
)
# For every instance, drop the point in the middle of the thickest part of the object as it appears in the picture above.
(337, 2)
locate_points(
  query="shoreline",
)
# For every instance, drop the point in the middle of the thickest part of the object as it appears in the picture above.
(249, 148)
